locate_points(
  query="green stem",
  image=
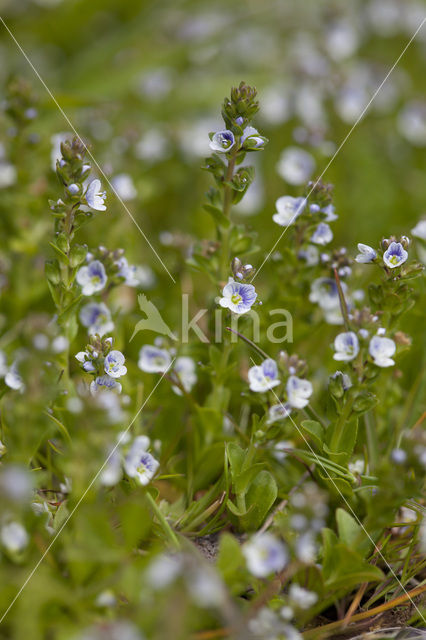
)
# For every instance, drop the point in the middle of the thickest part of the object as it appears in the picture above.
(227, 202)
(340, 425)
(343, 305)
(170, 534)
(249, 342)
(372, 443)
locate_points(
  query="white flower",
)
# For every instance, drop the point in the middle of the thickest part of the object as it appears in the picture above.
(295, 165)
(357, 467)
(124, 187)
(154, 360)
(253, 138)
(382, 350)
(306, 550)
(395, 255)
(278, 412)
(91, 278)
(140, 464)
(346, 346)
(329, 211)
(184, 368)
(298, 392)
(134, 276)
(13, 379)
(265, 554)
(366, 254)
(97, 318)
(264, 376)
(222, 141)
(322, 234)
(114, 364)
(301, 597)
(288, 209)
(13, 537)
(112, 473)
(60, 344)
(104, 382)
(8, 174)
(419, 231)
(94, 197)
(163, 570)
(238, 297)
(310, 254)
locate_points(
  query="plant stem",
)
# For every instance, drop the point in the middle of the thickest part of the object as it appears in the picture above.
(343, 305)
(227, 201)
(170, 534)
(249, 342)
(372, 444)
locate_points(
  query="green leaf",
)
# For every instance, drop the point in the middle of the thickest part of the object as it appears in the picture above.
(351, 533)
(218, 215)
(260, 497)
(315, 432)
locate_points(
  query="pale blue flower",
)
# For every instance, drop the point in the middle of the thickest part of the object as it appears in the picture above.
(302, 598)
(85, 359)
(322, 234)
(184, 368)
(222, 141)
(366, 254)
(104, 383)
(154, 360)
(265, 554)
(252, 139)
(310, 255)
(140, 464)
(92, 278)
(238, 297)
(264, 376)
(97, 318)
(13, 379)
(295, 165)
(124, 187)
(95, 197)
(395, 255)
(278, 412)
(288, 210)
(381, 350)
(329, 211)
(114, 364)
(347, 346)
(13, 537)
(299, 391)
(419, 231)
(112, 472)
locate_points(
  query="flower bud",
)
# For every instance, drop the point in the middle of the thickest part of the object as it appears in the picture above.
(364, 402)
(62, 242)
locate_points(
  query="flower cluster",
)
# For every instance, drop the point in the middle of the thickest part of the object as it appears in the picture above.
(131, 457)
(153, 359)
(104, 363)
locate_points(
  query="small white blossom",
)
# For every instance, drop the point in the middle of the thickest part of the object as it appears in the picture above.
(112, 473)
(306, 549)
(322, 234)
(278, 412)
(13, 379)
(154, 360)
(97, 318)
(13, 537)
(366, 253)
(295, 165)
(395, 255)
(419, 231)
(357, 467)
(60, 344)
(222, 141)
(140, 464)
(95, 197)
(288, 209)
(346, 346)
(298, 392)
(163, 570)
(310, 255)
(265, 554)
(302, 598)
(264, 376)
(253, 139)
(114, 364)
(124, 187)
(382, 350)
(184, 368)
(104, 382)
(3, 364)
(92, 278)
(238, 297)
